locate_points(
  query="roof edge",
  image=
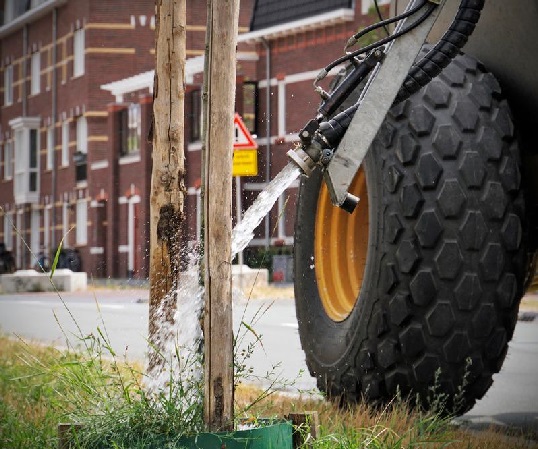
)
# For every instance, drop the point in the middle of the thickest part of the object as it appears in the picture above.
(30, 16)
(318, 21)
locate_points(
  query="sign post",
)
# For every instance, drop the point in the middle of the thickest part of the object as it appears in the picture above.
(245, 163)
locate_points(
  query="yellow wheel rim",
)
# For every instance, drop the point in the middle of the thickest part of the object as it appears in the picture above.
(340, 248)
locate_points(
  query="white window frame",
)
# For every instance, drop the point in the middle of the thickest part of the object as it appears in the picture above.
(78, 52)
(35, 81)
(65, 143)
(8, 159)
(82, 222)
(8, 85)
(26, 155)
(50, 148)
(82, 135)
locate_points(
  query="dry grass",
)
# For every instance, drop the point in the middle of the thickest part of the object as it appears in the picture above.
(529, 303)
(406, 428)
(24, 408)
(271, 291)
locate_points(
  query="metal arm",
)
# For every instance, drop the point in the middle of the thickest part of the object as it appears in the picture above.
(360, 124)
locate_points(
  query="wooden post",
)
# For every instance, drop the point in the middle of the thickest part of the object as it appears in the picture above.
(306, 429)
(167, 181)
(218, 332)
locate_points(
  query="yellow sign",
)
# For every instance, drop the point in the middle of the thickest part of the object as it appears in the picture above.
(245, 163)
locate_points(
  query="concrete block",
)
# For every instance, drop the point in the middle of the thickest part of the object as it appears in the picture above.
(31, 281)
(244, 276)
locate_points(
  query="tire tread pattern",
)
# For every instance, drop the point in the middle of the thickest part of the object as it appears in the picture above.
(442, 304)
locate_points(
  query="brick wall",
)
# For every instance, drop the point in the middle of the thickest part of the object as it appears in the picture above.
(119, 41)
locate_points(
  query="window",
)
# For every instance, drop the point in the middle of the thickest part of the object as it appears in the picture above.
(8, 230)
(8, 159)
(8, 85)
(34, 235)
(46, 227)
(196, 115)
(50, 148)
(82, 135)
(82, 222)
(130, 129)
(65, 224)
(33, 165)
(26, 158)
(80, 156)
(250, 105)
(78, 52)
(65, 143)
(35, 82)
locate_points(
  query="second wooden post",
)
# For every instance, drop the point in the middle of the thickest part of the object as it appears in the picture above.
(218, 330)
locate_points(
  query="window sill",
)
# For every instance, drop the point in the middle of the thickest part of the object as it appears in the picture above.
(82, 184)
(130, 159)
(194, 146)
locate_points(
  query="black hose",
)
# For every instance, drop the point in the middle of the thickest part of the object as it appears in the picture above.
(384, 23)
(421, 73)
(428, 10)
(444, 51)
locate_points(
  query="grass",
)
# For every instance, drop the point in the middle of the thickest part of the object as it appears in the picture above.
(42, 386)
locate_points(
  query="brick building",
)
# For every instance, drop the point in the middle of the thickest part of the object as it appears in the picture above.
(76, 101)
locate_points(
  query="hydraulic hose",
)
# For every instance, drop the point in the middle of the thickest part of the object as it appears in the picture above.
(444, 51)
(330, 132)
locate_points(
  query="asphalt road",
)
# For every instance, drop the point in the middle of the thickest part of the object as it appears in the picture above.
(512, 400)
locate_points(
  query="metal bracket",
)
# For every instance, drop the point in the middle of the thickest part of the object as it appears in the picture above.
(376, 99)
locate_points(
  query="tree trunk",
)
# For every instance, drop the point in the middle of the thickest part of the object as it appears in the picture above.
(167, 182)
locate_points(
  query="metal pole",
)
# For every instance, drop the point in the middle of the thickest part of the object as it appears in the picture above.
(267, 132)
(54, 114)
(238, 211)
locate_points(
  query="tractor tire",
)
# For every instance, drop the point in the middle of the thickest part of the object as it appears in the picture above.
(416, 293)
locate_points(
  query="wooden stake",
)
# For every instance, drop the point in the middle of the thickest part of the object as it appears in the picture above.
(167, 182)
(306, 429)
(218, 332)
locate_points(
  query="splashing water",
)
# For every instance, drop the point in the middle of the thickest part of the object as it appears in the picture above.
(243, 233)
(177, 342)
(180, 341)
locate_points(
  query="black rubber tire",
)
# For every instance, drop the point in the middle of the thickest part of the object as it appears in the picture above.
(446, 253)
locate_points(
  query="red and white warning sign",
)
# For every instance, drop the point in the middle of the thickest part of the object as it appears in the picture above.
(243, 140)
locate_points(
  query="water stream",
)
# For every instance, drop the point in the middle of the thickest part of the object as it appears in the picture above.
(184, 335)
(243, 233)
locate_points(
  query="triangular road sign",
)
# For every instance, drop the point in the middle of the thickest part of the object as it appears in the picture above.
(243, 140)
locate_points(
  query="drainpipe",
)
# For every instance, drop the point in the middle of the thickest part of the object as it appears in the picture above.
(24, 68)
(25, 207)
(54, 114)
(267, 47)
